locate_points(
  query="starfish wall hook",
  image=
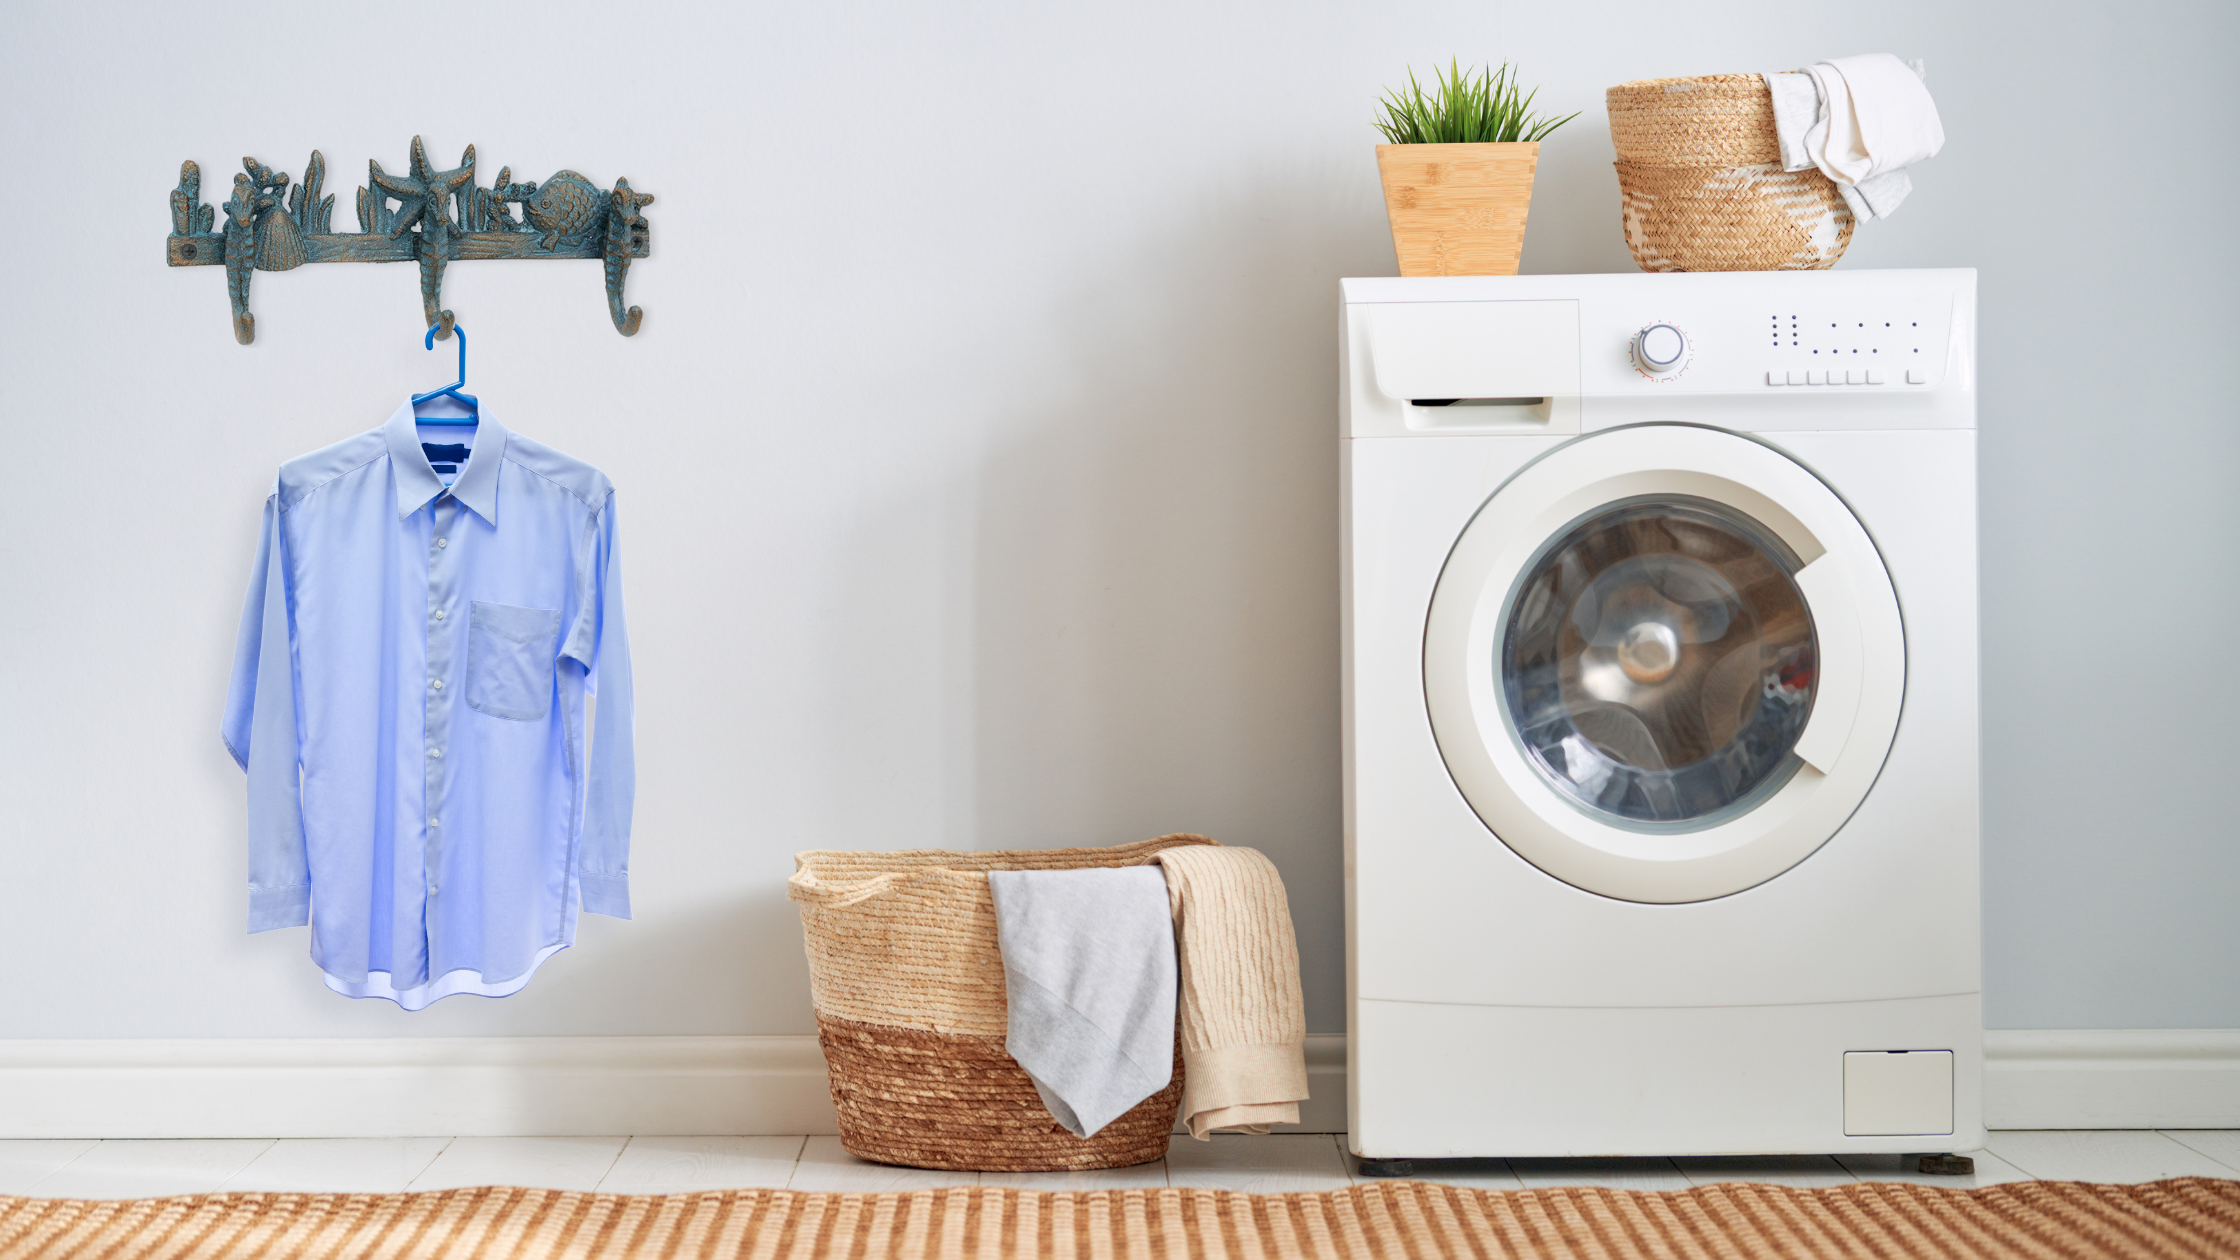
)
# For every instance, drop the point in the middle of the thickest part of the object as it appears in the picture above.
(438, 216)
(426, 198)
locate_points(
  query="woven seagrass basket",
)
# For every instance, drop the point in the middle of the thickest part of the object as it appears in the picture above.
(909, 991)
(1700, 172)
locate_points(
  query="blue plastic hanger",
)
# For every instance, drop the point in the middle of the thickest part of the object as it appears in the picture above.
(474, 408)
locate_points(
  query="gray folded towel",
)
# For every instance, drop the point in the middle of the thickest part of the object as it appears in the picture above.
(1089, 970)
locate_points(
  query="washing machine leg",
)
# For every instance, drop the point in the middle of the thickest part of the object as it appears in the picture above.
(1948, 1165)
(1388, 1168)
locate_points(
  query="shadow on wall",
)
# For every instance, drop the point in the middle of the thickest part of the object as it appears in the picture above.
(733, 966)
(1577, 222)
(1155, 621)
(1115, 611)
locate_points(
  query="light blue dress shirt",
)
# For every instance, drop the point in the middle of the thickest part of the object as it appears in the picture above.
(408, 698)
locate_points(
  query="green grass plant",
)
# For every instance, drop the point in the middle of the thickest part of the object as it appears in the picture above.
(1464, 106)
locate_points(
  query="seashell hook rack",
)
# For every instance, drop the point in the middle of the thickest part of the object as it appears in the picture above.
(439, 216)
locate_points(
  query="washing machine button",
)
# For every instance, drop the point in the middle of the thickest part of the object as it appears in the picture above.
(1915, 376)
(1875, 376)
(1815, 377)
(1775, 377)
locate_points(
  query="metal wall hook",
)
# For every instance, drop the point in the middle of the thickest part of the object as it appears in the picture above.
(439, 217)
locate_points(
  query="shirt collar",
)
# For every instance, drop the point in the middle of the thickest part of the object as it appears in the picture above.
(417, 483)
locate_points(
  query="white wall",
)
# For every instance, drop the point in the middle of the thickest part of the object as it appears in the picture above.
(978, 454)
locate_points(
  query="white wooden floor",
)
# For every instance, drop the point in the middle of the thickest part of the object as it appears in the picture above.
(1282, 1162)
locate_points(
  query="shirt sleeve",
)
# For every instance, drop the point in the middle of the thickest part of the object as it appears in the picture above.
(260, 731)
(601, 640)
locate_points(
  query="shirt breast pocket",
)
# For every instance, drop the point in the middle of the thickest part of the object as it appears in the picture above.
(511, 654)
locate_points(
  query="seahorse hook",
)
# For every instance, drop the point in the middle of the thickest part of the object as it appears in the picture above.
(622, 217)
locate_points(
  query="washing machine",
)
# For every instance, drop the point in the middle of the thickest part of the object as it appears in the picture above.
(1660, 714)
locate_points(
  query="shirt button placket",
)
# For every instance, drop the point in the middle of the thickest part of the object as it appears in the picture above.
(442, 672)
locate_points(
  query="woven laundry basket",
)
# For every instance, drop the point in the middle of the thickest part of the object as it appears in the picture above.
(909, 991)
(1700, 171)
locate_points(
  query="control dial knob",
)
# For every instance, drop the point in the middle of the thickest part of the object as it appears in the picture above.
(1660, 349)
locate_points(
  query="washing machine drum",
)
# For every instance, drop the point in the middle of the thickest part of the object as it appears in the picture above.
(1657, 662)
(1664, 663)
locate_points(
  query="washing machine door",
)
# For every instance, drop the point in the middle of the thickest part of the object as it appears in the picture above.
(1664, 663)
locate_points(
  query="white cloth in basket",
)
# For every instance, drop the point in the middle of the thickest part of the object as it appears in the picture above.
(1089, 971)
(1860, 120)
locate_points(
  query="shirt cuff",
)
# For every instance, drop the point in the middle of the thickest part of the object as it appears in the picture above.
(607, 894)
(287, 907)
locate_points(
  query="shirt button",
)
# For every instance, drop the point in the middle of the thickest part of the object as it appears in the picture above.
(441, 543)
(437, 684)
(435, 752)
(435, 822)
(439, 614)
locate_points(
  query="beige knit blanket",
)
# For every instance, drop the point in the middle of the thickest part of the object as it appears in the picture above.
(1244, 1018)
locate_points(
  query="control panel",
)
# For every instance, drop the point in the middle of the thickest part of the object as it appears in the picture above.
(1874, 342)
(1564, 354)
(1848, 347)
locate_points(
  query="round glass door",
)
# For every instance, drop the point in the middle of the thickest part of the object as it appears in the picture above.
(1663, 663)
(1657, 663)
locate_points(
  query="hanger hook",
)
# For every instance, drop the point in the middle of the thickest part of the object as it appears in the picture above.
(434, 329)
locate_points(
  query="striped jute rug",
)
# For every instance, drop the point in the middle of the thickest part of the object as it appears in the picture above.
(2192, 1217)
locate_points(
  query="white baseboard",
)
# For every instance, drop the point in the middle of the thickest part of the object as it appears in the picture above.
(457, 1086)
(498, 1086)
(406, 1086)
(2112, 1078)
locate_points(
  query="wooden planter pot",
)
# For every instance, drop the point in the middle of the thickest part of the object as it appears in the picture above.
(1457, 209)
